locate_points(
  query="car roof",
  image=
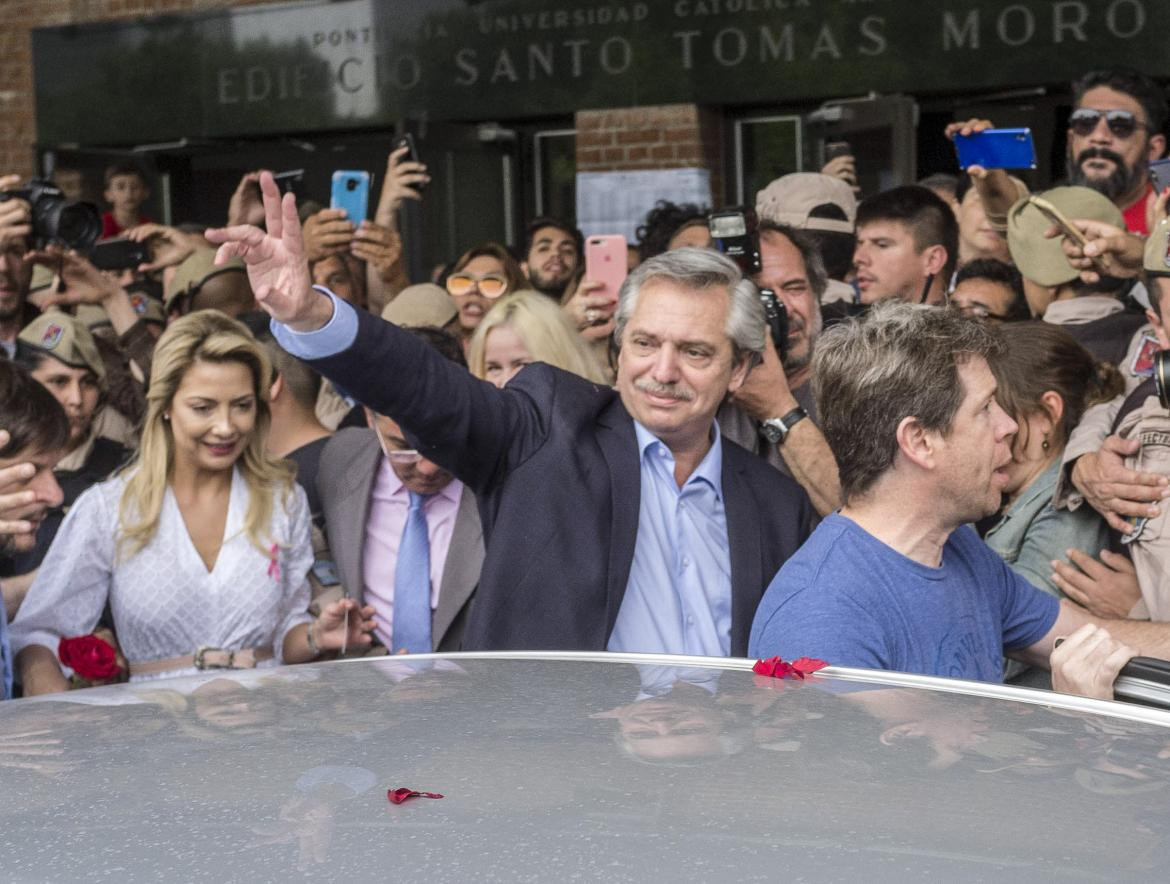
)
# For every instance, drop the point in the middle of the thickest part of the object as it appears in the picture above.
(624, 767)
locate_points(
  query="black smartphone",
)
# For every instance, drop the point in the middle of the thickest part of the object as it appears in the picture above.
(411, 154)
(119, 254)
(777, 316)
(290, 181)
(834, 149)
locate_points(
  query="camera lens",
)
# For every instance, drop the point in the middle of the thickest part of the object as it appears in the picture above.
(351, 184)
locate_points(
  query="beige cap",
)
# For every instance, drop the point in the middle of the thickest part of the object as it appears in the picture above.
(1042, 260)
(65, 338)
(195, 271)
(791, 199)
(419, 305)
(1157, 257)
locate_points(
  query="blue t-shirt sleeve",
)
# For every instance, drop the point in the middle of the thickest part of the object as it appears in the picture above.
(1028, 613)
(808, 623)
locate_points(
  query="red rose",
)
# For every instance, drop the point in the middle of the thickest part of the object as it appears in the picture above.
(90, 657)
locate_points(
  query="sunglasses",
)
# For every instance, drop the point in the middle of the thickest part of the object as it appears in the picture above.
(1121, 123)
(490, 285)
(403, 456)
(979, 311)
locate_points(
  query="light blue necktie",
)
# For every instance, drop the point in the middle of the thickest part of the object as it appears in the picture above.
(412, 582)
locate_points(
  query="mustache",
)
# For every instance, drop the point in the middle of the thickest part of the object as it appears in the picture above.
(1100, 153)
(672, 391)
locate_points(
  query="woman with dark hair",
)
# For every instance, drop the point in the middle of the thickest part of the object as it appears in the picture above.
(673, 226)
(1046, 381)
(481, 276)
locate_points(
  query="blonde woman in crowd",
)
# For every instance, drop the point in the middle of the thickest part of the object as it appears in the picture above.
(201, 545)
(527, 327)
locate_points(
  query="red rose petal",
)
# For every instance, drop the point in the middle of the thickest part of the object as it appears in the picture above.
(397, 796)
(774, 667)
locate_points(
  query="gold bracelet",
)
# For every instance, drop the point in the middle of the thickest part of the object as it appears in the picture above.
(312, 642)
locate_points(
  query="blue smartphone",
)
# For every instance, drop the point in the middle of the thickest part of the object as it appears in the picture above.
(997, 149)
(351, 191)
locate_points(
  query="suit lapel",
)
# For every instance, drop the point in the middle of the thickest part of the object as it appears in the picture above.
(359, 485)
(619, 446)
(462, 568)
(743, 538)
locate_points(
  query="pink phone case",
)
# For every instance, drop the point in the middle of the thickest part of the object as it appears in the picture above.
(605, 262)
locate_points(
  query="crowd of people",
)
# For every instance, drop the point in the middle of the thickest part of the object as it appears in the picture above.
(264, 445)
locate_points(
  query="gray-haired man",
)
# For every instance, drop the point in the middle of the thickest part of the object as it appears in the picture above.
(898, 580)
(613, 519)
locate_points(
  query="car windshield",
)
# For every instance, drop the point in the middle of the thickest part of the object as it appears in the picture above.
(610, 769)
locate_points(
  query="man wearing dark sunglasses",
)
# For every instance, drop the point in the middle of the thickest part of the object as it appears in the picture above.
(1114, 132)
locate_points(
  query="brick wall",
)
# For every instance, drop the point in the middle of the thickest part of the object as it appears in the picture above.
(670, 136)
(17, 114)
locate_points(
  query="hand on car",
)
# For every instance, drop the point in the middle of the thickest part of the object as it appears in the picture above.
(1115, 491)
(1107, 588)
(276, 264)
(13, 502)
(1088, 662)
(331, 633)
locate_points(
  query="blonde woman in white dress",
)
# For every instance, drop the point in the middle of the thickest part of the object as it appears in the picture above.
(201, 546)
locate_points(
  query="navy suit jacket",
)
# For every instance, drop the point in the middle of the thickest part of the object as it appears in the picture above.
(554, 463)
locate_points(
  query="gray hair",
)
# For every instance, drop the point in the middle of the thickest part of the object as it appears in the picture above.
(900, 361)
(702, 269)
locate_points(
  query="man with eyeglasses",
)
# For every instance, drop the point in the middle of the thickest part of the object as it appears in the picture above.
(989, 289)
(372, 483)
(615, 518)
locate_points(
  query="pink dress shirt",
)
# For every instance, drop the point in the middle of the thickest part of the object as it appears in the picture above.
(389, 502)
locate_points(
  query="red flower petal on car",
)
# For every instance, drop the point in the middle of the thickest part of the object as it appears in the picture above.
(803, 666)
(773, 667)
(397, 796)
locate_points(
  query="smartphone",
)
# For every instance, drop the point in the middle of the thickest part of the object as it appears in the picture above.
(1058, 218)
(119, 254)
(834, 149)
(289, 181)
(351, 191)
(1160, 174)
(411, 154)
(606, 262)
(997, 149)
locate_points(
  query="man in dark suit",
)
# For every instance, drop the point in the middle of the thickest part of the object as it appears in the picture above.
(614, 518)
(364, 479)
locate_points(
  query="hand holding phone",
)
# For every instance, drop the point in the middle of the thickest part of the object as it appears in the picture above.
(997, 149)
(418, 181)
(351, 192)
(606, 263)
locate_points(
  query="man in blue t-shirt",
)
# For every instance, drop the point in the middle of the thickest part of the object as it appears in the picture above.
(895, 580)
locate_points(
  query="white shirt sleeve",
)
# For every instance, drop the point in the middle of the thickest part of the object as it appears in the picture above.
(296, 558)
(73, 583)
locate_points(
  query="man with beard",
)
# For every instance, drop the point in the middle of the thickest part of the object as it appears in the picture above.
(35, 433)
(773, 413)
(552, 251)
(1114, 133)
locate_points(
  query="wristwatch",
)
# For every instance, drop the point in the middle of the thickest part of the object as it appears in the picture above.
(776, 429)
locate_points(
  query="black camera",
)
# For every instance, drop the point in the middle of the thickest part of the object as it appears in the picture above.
(736, 234)
(1161, 370)
(55, 219)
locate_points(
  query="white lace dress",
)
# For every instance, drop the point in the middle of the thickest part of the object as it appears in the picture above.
(164, 601)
